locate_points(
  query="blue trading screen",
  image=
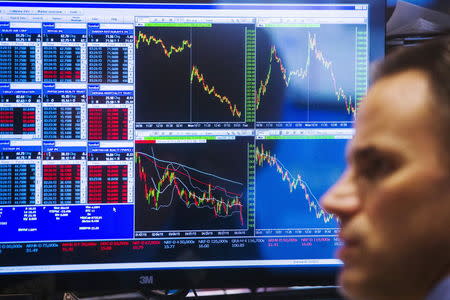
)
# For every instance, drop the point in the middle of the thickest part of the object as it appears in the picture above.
(132, 133)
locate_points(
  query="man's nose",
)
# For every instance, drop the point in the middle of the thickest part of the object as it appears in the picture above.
(341, 199)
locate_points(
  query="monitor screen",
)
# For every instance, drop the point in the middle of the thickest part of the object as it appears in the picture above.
(169, 138)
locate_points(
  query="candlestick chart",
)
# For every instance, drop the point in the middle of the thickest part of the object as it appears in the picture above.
(306, 74)
(291, 176)
(186, 188)
(181, 75)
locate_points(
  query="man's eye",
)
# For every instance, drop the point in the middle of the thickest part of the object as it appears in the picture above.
(376, 167)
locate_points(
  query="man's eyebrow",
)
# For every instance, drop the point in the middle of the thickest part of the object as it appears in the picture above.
(360, 153)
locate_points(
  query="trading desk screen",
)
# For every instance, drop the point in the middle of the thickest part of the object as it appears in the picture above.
(170, 136)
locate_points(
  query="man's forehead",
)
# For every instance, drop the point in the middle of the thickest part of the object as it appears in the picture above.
(396, 107)
(403, 95)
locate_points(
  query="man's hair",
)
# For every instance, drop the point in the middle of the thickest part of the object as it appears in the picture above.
(432, 58)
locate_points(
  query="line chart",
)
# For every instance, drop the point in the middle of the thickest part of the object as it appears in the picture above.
(303, 72)
(182, 68)
(167, 50)
(264, 156)
(212, 91)
(191, 198)
(288, 188)
(309, 74)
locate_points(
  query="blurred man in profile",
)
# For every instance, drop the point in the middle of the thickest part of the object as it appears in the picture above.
(393, 200)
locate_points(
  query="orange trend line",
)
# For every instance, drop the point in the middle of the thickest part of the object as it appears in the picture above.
(212, 91)
(168, 51)
(302, 73)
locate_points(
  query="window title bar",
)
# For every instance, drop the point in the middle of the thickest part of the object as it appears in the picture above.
(182, 6)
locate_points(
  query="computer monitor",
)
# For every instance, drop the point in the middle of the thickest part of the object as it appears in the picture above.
(177, 144)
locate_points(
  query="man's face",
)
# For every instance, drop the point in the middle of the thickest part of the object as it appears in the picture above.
(393, 200)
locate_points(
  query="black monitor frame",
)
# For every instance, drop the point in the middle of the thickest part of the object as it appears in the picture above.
(129, 280)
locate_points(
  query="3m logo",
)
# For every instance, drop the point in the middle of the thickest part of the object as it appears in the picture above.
(146, 280)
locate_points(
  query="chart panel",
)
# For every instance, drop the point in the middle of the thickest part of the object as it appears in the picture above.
(309, 73)
(288, 187)
(198, 186)
(195, 86)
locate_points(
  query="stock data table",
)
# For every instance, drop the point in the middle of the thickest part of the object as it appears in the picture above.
(108, 184)
(61, 184)
(62, 64)
(108, 124)
(17, 120)
(108, 65)
(17, 184)
(62, 123)
(17, 64)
